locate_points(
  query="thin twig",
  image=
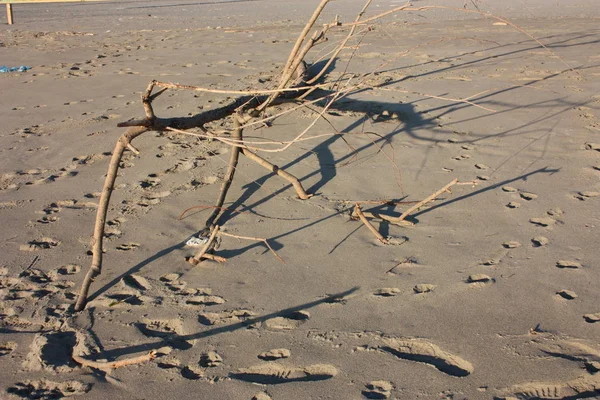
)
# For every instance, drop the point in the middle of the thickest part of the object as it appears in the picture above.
(365, 221)
(107, 366)
(233, 161)
(282, 173)
(206, 207)
(428, 199)
(257, 92)
(257, 239)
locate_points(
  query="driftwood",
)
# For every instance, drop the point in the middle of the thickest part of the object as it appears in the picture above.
(296, 83)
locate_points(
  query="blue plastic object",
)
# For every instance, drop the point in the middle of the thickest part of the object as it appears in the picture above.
(22, 68)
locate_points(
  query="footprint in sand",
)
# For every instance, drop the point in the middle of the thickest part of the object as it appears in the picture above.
(386, 292)
(586, 195)
(128, 246)
(543, 221)
(40, 244)
(422, 351)
(47, 220)
(261, 396)
(528, 196)
(69, 269)
(479, 279)
(7, 348)
(567, 294)
(569, 264)
(51, 352)
(540, 241)
(288, 321)
(167, 329)
(592, 318)
(378, 390)
(583, 387)
(205, 300)
(424, 288)
(273, 373)
(136, 282)
(46, 390)
(275, 354)
(225, 317)
(210, 359)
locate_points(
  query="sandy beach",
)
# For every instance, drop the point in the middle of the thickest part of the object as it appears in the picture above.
(490, 291)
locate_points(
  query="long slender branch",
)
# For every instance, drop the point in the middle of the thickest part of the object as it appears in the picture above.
(366, 222)
(340, 47)
(109, 183)
(427, 200)
(233, 161)
(282, 173)
(107, 366)
(257, 239)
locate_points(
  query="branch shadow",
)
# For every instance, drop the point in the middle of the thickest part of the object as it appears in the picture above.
(170, 339)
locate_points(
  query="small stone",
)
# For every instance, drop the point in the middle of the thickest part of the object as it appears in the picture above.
(540, 241)
(511, 244)
(528, 196)
(453, 140)
(479, 278)
(592, 318)
(567, 294)
(481, 166)
(589, 194)
(424, 288)
(170, 277)
(597, 167)
(466, 147)
(509, 189)
(513, 204)
(542, 221)
(275, 354)
(483, 177)
(568, 264)
(210, 359)
(386, 292)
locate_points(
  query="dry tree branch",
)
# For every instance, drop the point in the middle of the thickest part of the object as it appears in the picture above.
(427, 200)
(206, 207)
(257, 239)
(233, 160)
(365, 221)
(108, 366)
(282, 173)
(171, 85)
(96, 267)
(244, 110)
(340, 47)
